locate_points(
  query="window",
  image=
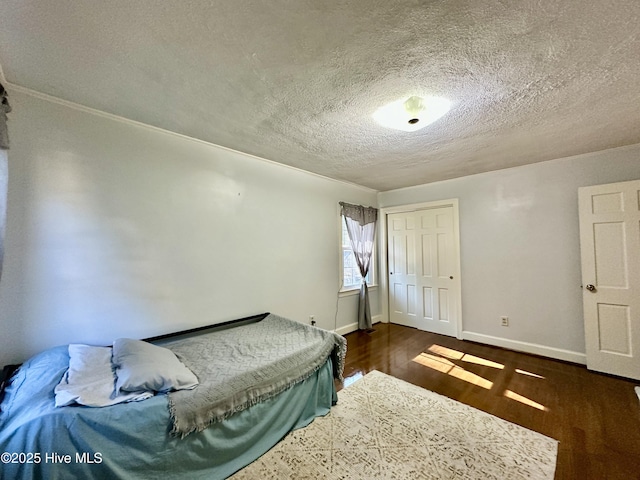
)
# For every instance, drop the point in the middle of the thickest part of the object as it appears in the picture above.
(351, 278)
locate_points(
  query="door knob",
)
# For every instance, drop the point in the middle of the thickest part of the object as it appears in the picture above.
(591, 288)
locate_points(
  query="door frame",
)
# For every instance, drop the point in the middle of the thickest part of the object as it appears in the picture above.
(383, 262)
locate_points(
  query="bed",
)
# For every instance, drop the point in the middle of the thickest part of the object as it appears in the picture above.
(139, 440)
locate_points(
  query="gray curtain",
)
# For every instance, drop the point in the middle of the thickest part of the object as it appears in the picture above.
(4, 109)
(4, 173)
(361, 227)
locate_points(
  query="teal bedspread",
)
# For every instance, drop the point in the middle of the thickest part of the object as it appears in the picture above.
(133, 441)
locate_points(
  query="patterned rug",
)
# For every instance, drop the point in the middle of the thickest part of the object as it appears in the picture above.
(385, 428)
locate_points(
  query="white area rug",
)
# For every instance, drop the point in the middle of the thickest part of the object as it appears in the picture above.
(385, 428)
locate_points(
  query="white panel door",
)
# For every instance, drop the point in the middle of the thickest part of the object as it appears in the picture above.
(423, 258)
(610, 249)
(437, 256)
(402, 269)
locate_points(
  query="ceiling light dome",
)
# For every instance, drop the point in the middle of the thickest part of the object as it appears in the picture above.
(412, 113)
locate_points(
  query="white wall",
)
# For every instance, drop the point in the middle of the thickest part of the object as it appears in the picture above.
(520, 247)
(116, 229)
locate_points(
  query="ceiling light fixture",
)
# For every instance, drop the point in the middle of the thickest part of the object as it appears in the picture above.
(412, 113)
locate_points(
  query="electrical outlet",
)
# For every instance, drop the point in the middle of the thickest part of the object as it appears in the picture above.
(312, 320)
(504, 321)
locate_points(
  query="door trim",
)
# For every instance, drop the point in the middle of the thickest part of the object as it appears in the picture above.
(383, 255)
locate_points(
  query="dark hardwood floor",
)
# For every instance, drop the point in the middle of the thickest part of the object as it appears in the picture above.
(595, 417)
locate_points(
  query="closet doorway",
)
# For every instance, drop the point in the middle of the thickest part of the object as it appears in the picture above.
(423, 266)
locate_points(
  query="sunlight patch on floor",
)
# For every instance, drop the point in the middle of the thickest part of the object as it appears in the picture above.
(445, 366)
(446, 352)
(524, 372)
(440, 360)
(482, 361)
(352, 379)
(524, 400)
(465, 357)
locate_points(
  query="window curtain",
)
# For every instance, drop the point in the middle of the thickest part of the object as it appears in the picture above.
(4, 109)
(4, 172)
(361, 226)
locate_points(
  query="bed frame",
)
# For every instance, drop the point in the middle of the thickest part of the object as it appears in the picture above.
(213, 327)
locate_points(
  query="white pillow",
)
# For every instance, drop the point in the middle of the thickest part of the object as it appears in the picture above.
(90, 379)
(143, 366)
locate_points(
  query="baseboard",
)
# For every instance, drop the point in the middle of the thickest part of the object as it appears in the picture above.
(551, 352)
(352, 327)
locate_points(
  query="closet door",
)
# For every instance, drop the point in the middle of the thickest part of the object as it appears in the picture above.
(403, 301)
(423, 259)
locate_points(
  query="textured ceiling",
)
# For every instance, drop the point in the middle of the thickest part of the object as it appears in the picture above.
(296, 81)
